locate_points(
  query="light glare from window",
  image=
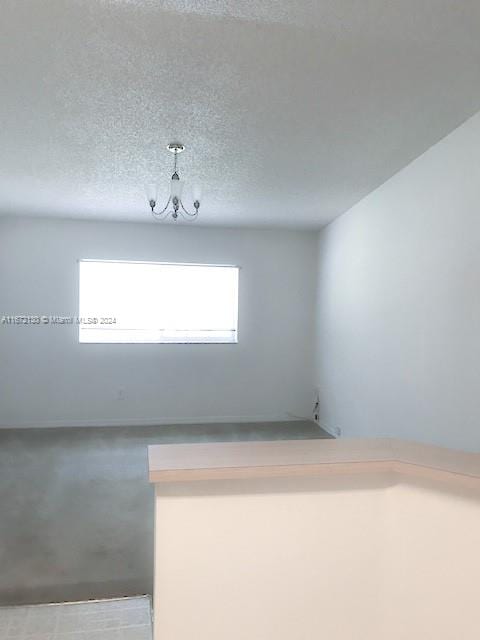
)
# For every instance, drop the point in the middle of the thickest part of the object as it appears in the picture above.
(155, 302)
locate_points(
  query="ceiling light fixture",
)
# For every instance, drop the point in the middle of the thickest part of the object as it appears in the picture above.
(175, 199)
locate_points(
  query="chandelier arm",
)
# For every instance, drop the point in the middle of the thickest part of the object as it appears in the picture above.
(184, 211)
(158, 214)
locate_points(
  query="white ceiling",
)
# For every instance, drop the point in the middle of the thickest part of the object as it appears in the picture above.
(291, 111)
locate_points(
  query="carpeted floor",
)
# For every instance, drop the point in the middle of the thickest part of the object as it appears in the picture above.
(77, 509)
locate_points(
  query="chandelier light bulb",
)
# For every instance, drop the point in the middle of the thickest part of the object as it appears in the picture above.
(176, 187)
(197, 193)
(152, 192)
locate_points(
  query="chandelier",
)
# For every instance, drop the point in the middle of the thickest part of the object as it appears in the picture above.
(174, 206)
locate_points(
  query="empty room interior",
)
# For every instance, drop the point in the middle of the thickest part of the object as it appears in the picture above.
(239, 319)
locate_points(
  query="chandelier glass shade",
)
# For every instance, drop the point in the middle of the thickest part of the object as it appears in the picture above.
(174, 206)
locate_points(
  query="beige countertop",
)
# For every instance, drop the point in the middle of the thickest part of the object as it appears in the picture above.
(301, 458)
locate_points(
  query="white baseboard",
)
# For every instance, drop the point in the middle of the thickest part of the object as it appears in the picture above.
(150, 422)
(333, 431)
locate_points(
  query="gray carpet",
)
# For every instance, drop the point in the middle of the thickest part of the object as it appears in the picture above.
(76, 509)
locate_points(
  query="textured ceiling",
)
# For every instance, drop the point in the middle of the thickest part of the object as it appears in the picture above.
(291, 111)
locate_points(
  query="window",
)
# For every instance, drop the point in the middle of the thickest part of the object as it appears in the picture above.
(155, 302)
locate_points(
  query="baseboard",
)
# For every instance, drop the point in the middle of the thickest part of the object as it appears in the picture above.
(333, 431)
(151, 422)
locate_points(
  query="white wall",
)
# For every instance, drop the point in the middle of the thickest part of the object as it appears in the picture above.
(346, 558)
(48, 378)
(398, 349)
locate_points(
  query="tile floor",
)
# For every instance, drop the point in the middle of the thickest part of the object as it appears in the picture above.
(122, 619)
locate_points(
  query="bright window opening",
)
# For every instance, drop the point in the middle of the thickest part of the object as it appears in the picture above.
(155, 302)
